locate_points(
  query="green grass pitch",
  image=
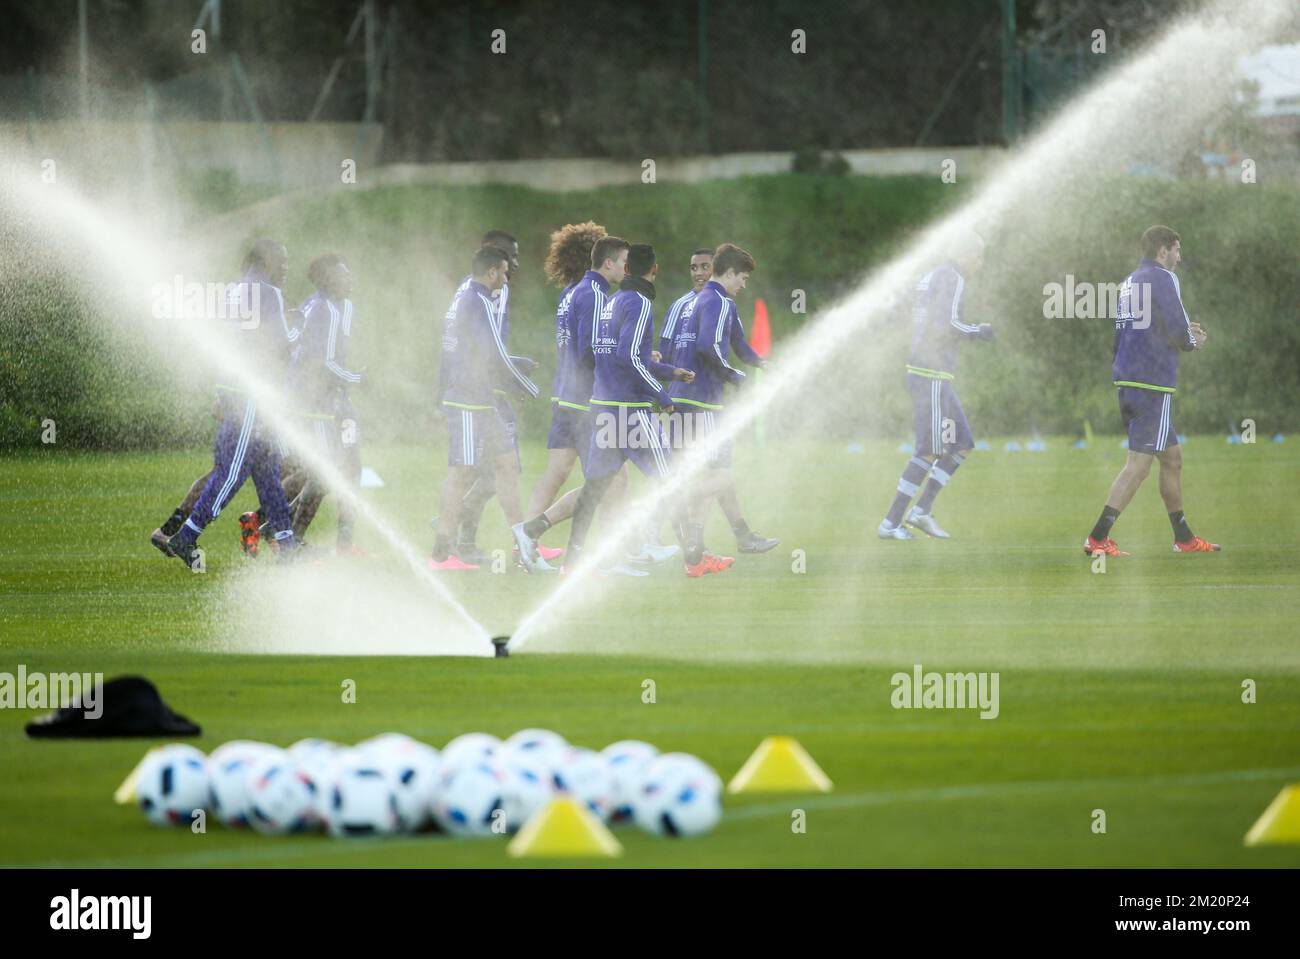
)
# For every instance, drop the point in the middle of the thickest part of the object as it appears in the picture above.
(1119, 691)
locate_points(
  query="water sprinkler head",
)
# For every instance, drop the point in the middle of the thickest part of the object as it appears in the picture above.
(502, 644)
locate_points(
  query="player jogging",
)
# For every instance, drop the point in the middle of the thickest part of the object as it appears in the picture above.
(476, 364)
(484, 487)
(701, 271)
(569, 439)
(702, 342)
(625, 394)
(747, 541)
(1151, 330)
(244, 446)
(567, 262)
(319, 383)
(943, 437)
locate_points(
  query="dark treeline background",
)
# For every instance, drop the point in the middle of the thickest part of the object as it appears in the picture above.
(579, 79)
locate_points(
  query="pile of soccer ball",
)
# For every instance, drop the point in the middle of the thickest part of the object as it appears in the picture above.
(477, 785)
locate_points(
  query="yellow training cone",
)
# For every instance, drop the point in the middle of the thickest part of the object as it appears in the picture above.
(566, 828)
(125, 793)
(1280, 822)
(780, 765)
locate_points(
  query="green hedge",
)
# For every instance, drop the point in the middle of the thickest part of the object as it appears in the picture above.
(100, 390)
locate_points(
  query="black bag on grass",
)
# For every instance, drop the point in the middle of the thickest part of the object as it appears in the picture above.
(131, 706)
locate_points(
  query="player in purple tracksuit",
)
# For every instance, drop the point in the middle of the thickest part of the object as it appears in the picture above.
(943, 437)
(484, 487)
(476, 364)
(747, 541)
(625, 394)
(702, 343)
(575, 370)
(570, 435)
(1152, 331)
(701, 272)
(244, 445)
(319, 381)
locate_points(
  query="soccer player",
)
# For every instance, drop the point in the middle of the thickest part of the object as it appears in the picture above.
(624, 395)
(943, 436)
(476, 364)
(569, 439)
(244, 445)
(1151, 331)
(747, 541)
(702, 342)
(484, 487)
(319, 383)
(701, 270)
(567, 264)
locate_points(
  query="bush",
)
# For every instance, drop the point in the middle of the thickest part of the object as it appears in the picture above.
(101, 391)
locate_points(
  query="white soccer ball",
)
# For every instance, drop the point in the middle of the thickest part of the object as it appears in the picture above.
(282, 798)
(526, 789)
(304, 748)
(536, 745)
(678, 795)
(471, 800)
(361, 798)
(171, 784)
(696, 766)
(228, 772)
(385, 740)
(415, 770)
(582, 774)
(316, 759)
(469, 748)
(625, 760)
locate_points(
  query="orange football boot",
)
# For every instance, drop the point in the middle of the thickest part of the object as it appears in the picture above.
(1091, 547)
(250, 534)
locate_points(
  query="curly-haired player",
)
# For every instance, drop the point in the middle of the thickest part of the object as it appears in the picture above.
(567, 262)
